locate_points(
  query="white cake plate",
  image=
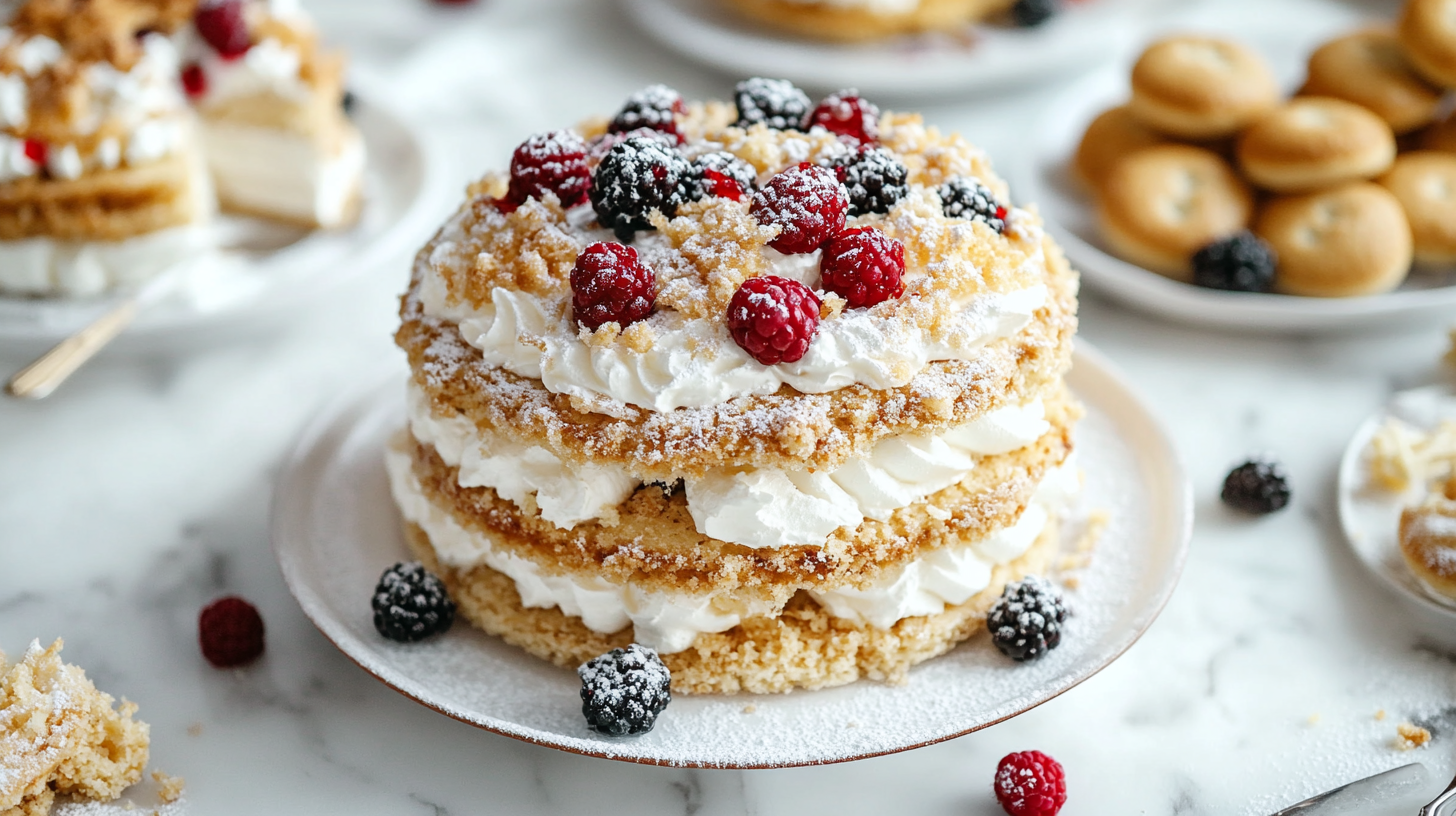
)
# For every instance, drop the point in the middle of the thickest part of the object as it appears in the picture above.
(1370, 516)
(982, 58)
(335, 529)
(274, 266)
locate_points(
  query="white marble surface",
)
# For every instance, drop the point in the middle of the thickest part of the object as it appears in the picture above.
(141, 491)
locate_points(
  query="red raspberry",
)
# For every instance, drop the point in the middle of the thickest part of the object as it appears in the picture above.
(1030, 783)
(610, 285)
(230, 632)
(222, 25)
(807, 203)
(194, 80)
(555, 162)
(721, 185)
(846, 114)
(35, 151)
(864, 266)
(773, 319)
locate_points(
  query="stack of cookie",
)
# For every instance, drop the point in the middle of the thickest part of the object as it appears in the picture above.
(1343, 186)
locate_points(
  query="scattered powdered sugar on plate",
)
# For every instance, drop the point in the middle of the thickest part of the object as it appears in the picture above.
(335, 529)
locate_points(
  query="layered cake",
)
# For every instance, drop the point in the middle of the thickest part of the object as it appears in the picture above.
(775, 390)
(124, 123)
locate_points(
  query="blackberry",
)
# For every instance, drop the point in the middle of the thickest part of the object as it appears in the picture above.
(1239, 263)
(1032, 13)
(1258, 486)
(655, 107)
(636, 177)
(624, 690)
(967, 198)
(719, 174)
(874, 179)
(1026, 621)
(774, 102)
(348, 102)
(411, 604)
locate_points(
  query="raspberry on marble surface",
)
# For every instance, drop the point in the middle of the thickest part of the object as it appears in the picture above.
(624, 691)
(230, 632)
(1030, 783)
(777, 103)
(808, 205)
(874, 180)
(411, 604)
(1026, 621)
(636, 176)
(846, 114)
(863, 266)
(610, 284)
(655, 107)
(553, 162)
(773, 319)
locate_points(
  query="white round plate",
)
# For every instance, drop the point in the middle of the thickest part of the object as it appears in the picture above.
(1370, 516)
(335, 529)
(984, 57)
(1044, 176)
(280, 266)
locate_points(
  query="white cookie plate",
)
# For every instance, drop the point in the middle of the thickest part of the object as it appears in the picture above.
(1370, 516)
(266, 267)
(1044, 176)
(335, 529)
(982, 58)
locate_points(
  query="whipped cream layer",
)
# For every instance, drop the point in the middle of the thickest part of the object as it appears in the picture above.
(284, 174)
(756, 507)
(695, 362)
(669, 622)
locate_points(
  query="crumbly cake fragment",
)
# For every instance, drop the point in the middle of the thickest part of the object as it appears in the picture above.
(60, 735)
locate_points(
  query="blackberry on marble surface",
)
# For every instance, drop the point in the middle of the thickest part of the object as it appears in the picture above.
(1258, 487)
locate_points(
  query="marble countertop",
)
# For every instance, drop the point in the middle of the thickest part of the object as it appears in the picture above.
(141, 491)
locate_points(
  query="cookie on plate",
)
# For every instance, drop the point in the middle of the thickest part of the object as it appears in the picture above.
(1370, 69)
(1341, 242)
(1428, 542)
(1111, 137)
(1201, 87)
(1315, 142)
(1424, 182)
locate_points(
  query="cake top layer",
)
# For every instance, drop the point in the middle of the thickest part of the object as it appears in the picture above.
(685, 255)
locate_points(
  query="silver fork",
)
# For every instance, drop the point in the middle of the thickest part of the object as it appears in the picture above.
(1434, 808)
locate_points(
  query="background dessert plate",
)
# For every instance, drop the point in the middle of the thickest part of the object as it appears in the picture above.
(335, 530)
(1370, 516)
(985, 57)
(1044, 174)
(267, 266)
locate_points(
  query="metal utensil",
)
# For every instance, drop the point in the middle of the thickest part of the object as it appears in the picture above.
(1372, 790)
(1447, 795)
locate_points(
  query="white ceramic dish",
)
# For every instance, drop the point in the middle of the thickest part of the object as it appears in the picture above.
(1370, 516)
(984, 58)
(335, 530)
(281, 266)
(1044, 176)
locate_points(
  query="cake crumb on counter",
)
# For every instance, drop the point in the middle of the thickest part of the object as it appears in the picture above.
(1410, 737)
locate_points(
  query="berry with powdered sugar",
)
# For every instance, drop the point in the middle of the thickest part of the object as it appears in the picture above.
(874, 180)
(655, 107)
(967, 198)
(777, 103)
(553, 162)
(610, 284)
(721, 175)
(846, 114)
(1030, 783)
(624, 690)
(1026, 621)
(863, 266)
(636, 177)
(773, 319)
(808, 205)
(223, 26)
(411, 604)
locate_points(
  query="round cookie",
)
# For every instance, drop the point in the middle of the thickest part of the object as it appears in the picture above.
(1315, 142)
(1201, 87)
(1113, 136)
(1370, 69)
(1441, 135)
(1162, 204)
(1428, 542)
(1424, 182)
(1350, 240)
(1427, 30)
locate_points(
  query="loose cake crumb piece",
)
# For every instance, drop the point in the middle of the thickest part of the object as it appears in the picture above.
(194, 730)
(1380, 715)
(1410, 737)
(1313, 720)
(749, 709)
(169, 788)
(1097, 522)
(1402, 456)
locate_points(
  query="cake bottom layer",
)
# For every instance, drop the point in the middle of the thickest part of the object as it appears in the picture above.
(866, 20)
(803, 647)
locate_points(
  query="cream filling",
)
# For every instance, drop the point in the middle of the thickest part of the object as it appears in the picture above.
(696, 363)
(269, 67)
(756, 507)
(669, 622)
(271, 171)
